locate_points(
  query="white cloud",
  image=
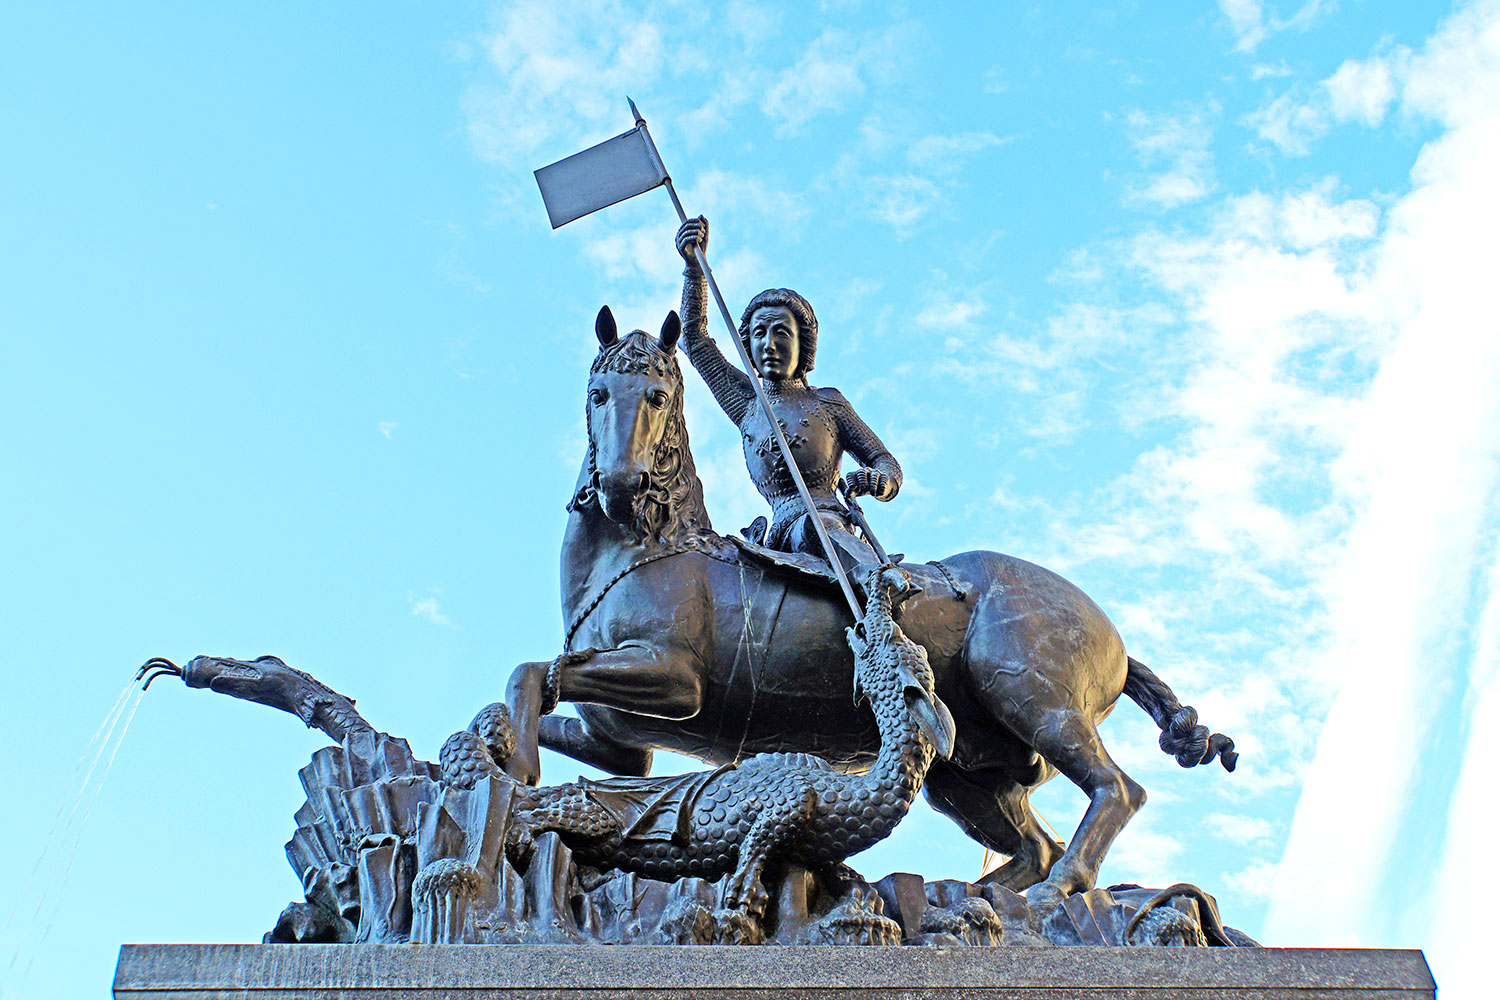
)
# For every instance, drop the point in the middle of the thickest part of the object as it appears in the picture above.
(1360, 91)
(559, 71)
(1459, 943)
(947, 152)
(825, 78)
(951, 313)
(1290, 123)
(1252, 24)
(1240, 829)
(1246, 20)
(1257, 880)
(901, 200)
(1314, 218)
(1150, 856)
(386, 427)
(1262, 71)
(426, 608)
(1180, 145)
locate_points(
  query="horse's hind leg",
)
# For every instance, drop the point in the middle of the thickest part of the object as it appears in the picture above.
(996, 811)
(1068, 740)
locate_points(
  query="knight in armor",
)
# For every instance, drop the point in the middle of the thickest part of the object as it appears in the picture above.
(780, 333)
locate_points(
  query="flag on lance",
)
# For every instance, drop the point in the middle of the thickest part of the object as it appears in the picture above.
(600, 176)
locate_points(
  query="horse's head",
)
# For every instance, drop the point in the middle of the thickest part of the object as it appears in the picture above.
(640, 469)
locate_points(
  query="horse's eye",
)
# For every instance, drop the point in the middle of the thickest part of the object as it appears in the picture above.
(659, 399)
(596, 396)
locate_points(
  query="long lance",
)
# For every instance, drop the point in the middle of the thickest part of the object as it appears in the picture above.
(760, 390)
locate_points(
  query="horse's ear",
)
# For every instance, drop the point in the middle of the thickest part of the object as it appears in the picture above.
(605, 328)
(671, 329)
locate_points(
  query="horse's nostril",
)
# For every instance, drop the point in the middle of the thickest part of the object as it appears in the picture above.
(645, 482)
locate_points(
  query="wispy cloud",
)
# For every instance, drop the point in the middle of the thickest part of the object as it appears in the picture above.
(558, 71)
(546, 73)
(825, 78)
(901, 200)
(1251, 23)
(1240, 829)
(948, 152)
(1178, 145)
(1247, 21)
(426, 608)
(386, 427)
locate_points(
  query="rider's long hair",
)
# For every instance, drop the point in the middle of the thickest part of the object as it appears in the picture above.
(670, 510)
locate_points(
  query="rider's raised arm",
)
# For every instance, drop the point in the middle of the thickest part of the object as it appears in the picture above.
(864, 447)
(730, 386)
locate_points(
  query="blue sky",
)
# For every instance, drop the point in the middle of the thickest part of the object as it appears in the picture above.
(1192, 302)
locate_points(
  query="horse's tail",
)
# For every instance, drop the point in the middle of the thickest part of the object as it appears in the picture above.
(1181, 736)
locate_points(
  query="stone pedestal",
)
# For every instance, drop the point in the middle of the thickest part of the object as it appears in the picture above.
(544, 972)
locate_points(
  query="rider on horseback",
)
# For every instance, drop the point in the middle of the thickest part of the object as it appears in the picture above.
(780, 334)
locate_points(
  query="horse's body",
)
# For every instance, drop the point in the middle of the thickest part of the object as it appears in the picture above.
(690, 646)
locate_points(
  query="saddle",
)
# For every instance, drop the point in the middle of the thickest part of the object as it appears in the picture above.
(809, 569)
(802, 566)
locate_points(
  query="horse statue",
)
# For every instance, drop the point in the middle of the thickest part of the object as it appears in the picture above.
(681, 639)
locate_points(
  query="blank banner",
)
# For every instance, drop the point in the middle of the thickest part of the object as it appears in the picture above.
(598, 177)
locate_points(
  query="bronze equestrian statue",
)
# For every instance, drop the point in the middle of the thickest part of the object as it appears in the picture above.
(780, 334)
(686, 640)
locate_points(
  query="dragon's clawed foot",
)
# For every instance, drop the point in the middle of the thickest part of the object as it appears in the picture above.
(746, 892)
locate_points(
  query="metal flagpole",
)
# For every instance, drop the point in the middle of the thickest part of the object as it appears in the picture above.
(760, 390)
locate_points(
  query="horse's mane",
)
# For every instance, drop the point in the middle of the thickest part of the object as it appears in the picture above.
(670, 510)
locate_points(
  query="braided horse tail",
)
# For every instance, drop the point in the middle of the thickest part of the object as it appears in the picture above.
(1181, 736)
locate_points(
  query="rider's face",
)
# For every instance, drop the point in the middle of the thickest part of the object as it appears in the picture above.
(774, 346)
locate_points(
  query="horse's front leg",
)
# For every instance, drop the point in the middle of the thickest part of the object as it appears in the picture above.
(634, 677)
(523, 697)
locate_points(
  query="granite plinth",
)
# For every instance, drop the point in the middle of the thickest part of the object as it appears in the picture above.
(543, 972)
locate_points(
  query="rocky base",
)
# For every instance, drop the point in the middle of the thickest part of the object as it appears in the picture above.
(540, 972)
(389, 854)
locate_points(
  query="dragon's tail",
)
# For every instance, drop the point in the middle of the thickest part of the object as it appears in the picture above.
(1181, 735)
